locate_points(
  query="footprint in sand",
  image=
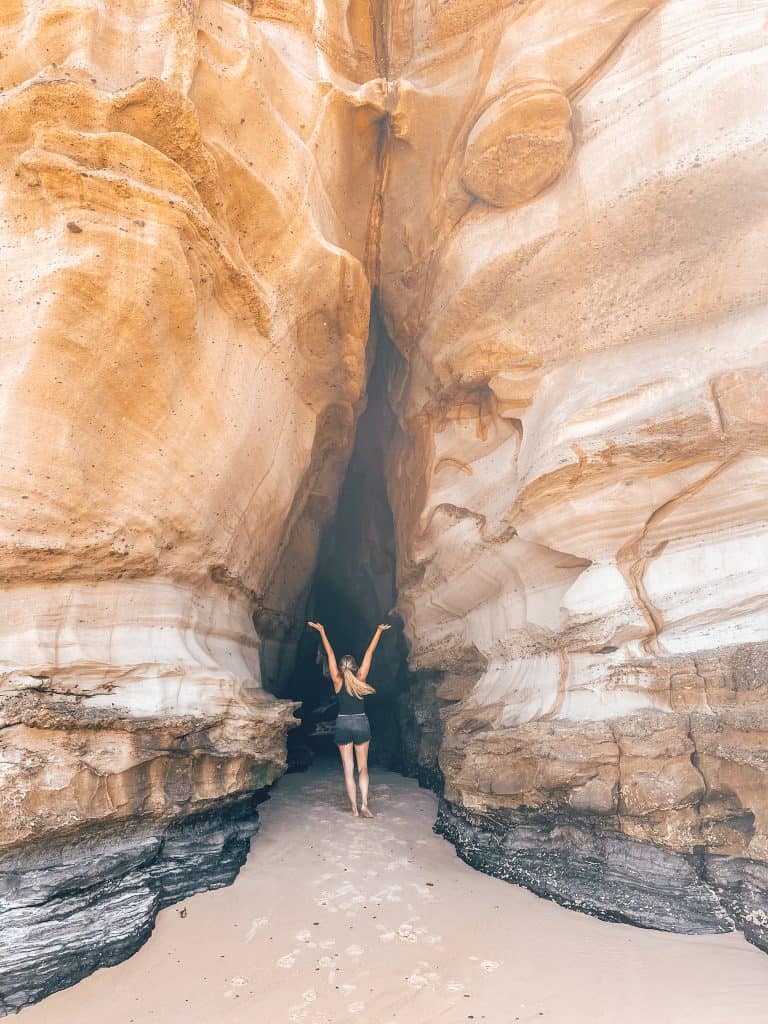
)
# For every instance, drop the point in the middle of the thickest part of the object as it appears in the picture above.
(417, 980)
(390, 894)
(256, 923)
(237, 981)
(455, 986)
(286, 961)
(309, 996)
(406, 932)
(356, 1007)
(489, 965)
(354, 951)
(303, 936)
(423, 891)
(421, 978)
(327, 943)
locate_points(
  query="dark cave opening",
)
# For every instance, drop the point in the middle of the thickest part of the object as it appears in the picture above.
(354, 587)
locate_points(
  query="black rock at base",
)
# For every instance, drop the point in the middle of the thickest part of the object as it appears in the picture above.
(584, 866)
(742, 885)
(67, 910)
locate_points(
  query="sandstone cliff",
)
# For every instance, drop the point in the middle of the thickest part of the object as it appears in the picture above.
(560, 211)
(580, 480)
(186, 190)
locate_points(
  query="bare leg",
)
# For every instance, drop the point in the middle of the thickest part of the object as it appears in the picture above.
(361, 753)
(348, 762)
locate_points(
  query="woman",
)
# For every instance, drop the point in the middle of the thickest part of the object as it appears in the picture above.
(352, 728)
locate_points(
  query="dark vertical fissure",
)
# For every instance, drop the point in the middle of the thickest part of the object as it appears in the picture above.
(354, 586)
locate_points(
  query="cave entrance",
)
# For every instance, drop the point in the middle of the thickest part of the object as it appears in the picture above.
(354, 587)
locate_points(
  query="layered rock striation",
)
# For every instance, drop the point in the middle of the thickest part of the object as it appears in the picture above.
(185, 190)
(560, 215)
(579, 479)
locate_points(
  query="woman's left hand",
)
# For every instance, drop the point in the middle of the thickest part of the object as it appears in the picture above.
(384, 625)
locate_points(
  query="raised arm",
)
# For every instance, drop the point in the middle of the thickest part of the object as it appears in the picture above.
(365, 667)
(333, 668)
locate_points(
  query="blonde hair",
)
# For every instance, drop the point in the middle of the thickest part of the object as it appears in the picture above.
(354, 686)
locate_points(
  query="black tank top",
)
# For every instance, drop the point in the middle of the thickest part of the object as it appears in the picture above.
(349, 705)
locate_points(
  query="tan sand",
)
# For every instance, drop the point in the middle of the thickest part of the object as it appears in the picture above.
(338, 919)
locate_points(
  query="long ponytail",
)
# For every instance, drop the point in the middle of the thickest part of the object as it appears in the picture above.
(354, 686)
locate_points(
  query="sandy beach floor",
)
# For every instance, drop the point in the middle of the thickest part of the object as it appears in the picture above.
(335, 919)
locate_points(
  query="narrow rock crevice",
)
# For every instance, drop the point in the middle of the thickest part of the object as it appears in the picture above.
(354, 586)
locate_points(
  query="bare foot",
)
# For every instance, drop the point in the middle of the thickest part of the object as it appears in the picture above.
(354, 812)
(365, 812)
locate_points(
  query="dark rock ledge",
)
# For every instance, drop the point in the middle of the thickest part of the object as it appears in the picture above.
(68, 909)
(585, 866)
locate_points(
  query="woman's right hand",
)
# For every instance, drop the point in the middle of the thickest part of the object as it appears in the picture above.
(318, 626)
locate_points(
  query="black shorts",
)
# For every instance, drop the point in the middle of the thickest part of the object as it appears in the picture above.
(352, 729)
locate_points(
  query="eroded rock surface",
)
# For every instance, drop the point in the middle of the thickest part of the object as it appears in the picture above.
(580, 480)
(186, 191)
(561, 208)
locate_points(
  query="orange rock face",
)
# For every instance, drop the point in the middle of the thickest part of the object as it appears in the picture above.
(186, 190)
(185, 198)
(559, 209)
(577, 487)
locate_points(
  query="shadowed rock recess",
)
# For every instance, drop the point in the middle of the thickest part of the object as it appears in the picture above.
(560, 210)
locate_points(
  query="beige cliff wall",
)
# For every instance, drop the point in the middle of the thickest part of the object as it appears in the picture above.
(186, 191)
(580, 484)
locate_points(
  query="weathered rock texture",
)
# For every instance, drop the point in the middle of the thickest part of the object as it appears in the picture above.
(561, 207)
(580, 481)
(69, 908)
(185, 192)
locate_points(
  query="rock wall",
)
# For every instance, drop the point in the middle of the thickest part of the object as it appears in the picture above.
(580, 477)
(185, 193)
(561, 210)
